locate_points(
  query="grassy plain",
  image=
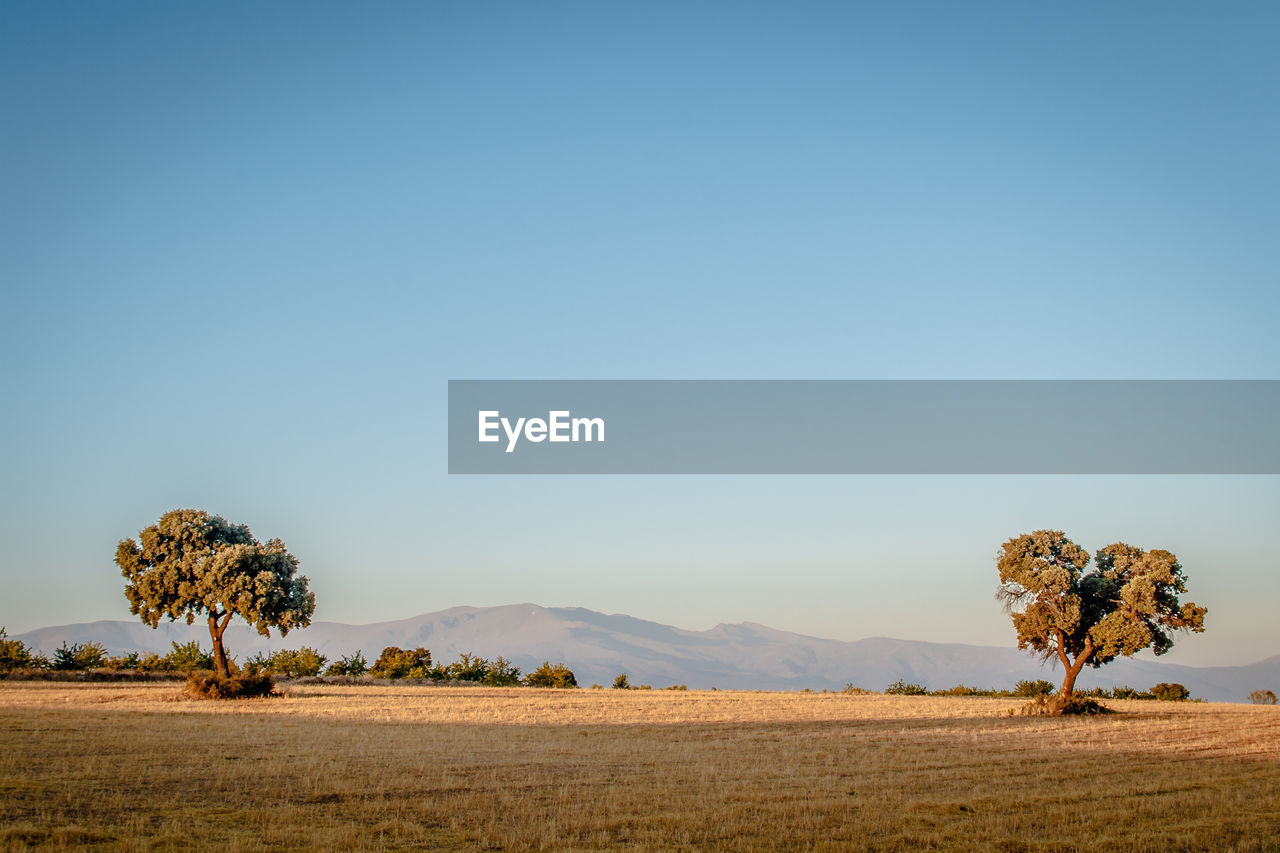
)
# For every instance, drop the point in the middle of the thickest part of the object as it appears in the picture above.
(135, 767)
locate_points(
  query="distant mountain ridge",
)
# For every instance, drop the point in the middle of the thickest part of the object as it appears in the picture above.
(744, 656)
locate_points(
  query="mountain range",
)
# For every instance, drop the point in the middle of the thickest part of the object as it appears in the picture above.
(744, 656)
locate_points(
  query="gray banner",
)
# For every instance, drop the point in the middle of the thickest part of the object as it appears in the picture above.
(863, 427)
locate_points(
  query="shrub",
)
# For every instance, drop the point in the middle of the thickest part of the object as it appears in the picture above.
(151, 662)
(621, 683)
(395, 662)
(901, 688)
(1262, 697)
(1167, 692)
(290, 663)
(132, 660)
(549, 675)
(682, 687)
(186, 657)
(14, 654)
(259, 663)
(1037, 687)
(92, 656)
(502, 674)
(467, 667)
(962, 690)
(242, 685)
(353, 665)
(1126, 692)
(78, 656)
(1056, 706)
(64, 657)
(852, 690)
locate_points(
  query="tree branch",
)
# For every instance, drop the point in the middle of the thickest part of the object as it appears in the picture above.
(1061, 648)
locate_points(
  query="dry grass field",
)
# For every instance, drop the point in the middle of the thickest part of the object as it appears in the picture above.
(133, 766)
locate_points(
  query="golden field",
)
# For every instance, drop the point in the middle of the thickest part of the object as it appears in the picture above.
(137, 767)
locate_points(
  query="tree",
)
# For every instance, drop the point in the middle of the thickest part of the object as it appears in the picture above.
(186, 657)
(1127, 603)
(352, 665)
(14, 654)
(296, 663)
(395, 662)
(551, 675)
(78, 656)
(193, 564)
(1171, 692)
(502, 674)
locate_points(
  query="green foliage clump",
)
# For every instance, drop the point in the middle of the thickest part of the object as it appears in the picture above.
(683, 687)
(78, 656)
(128, 661)
(193, 564)
(500, 673)
(962, 690)
(851, 689)
(902, 688)
(1127, 603)
(467, 667)
(351, 665)
(186, 657)
(1124, 691)
(289, 663)
(1036, 687)
(395, 662)
(242, 685)
(14, 654)
(551, 675)
(64, 657)
(150, 662)
(621, 682)
(1170, 692)
(1262, 697)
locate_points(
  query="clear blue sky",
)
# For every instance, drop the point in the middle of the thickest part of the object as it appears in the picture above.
(246, 245)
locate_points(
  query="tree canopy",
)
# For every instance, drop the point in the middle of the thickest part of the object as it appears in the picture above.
(1128, 602)
(193, 564)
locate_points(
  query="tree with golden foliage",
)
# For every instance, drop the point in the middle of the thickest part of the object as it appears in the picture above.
(193, 564)
(1127, 603)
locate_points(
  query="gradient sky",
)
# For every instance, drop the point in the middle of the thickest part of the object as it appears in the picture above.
(246, 245)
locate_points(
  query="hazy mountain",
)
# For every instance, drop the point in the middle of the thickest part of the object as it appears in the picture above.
(745, 656)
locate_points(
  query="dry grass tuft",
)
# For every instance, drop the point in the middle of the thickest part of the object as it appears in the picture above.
(241, 685)
(1056, 706)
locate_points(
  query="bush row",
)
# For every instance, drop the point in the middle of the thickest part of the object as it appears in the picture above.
(1039, 687)
(78, 657)
(393, 663)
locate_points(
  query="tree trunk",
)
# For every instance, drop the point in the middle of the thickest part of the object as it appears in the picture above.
(1069, 679)
(219, 653)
